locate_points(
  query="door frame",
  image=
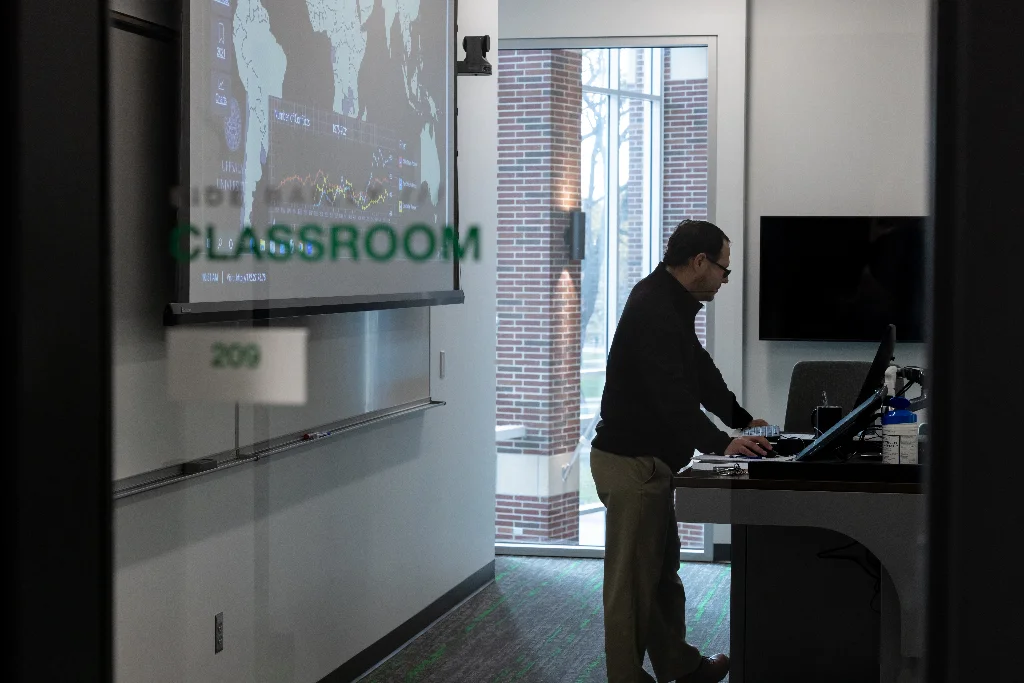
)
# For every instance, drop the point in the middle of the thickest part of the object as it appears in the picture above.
(652, 248)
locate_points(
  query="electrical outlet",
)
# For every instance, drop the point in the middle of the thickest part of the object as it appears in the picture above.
(218, 632)
(442, 365)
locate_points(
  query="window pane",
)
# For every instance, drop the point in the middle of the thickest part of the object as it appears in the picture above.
(593, 194)
(635, 69)
(593, 294)
(595, 68)
(634, 194)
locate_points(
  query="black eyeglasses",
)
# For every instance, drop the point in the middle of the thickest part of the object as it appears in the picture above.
(725, 271)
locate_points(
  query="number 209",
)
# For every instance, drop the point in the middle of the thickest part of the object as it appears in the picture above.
(235, 355)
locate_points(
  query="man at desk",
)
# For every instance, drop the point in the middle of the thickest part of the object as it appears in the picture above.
(658, 377)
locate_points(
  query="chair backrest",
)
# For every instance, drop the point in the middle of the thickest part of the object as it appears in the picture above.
(839, 379)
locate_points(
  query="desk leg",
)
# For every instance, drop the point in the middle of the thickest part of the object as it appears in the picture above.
(895, 668)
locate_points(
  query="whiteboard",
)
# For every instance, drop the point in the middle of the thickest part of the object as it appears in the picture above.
(359, 362)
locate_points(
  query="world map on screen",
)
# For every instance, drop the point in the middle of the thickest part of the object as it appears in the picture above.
(321, 110)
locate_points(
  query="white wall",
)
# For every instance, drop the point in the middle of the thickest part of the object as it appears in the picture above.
(725, 19)
(837, 125)
(313, 555)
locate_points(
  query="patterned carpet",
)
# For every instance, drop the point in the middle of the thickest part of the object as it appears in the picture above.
(541, 622)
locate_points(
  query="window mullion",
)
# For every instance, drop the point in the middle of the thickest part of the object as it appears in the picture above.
(612, 192)
(657, 156)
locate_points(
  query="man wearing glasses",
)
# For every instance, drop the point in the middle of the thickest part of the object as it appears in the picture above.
(658, 376)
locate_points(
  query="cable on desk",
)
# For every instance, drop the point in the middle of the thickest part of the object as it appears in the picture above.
(872, 430)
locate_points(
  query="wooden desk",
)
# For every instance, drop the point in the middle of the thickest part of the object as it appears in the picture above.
(886, 518)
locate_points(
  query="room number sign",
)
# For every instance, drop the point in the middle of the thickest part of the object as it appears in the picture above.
(235, 355)
(228, 364)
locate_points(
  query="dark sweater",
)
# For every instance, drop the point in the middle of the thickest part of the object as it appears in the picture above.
(659, 375)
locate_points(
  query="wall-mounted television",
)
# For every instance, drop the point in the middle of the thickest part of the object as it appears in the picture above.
(842, 278)
(317, 159)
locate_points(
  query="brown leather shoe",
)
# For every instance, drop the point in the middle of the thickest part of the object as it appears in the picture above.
(710, 670)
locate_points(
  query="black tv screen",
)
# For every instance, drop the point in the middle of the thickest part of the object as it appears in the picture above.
(842, 278)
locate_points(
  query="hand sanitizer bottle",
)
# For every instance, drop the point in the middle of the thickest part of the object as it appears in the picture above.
(899, 433)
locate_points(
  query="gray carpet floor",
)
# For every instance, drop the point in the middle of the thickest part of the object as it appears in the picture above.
(541, 622)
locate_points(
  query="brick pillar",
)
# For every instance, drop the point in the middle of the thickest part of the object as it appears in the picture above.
(540, 101)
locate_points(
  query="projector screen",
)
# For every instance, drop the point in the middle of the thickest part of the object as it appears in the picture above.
(319, 157)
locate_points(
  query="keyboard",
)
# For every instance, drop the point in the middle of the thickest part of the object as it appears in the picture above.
(769, 432)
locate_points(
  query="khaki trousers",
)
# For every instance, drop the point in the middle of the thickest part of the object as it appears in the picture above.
(644, 600)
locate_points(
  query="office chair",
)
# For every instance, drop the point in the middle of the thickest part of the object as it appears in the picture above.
(841, 380)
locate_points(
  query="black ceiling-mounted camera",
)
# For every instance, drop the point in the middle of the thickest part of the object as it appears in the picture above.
(476, 48)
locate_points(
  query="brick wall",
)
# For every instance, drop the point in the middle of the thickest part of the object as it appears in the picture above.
(537, 519)
(691, 535)
(540, 100)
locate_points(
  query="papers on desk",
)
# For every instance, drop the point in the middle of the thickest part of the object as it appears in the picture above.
(704, 461)
(709, 462)
(724, 459)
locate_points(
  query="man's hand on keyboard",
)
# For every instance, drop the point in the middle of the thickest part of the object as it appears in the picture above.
(752, 446)
(758, 423)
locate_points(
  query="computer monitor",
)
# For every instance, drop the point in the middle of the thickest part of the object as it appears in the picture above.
(876, 374)
(843, 432)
